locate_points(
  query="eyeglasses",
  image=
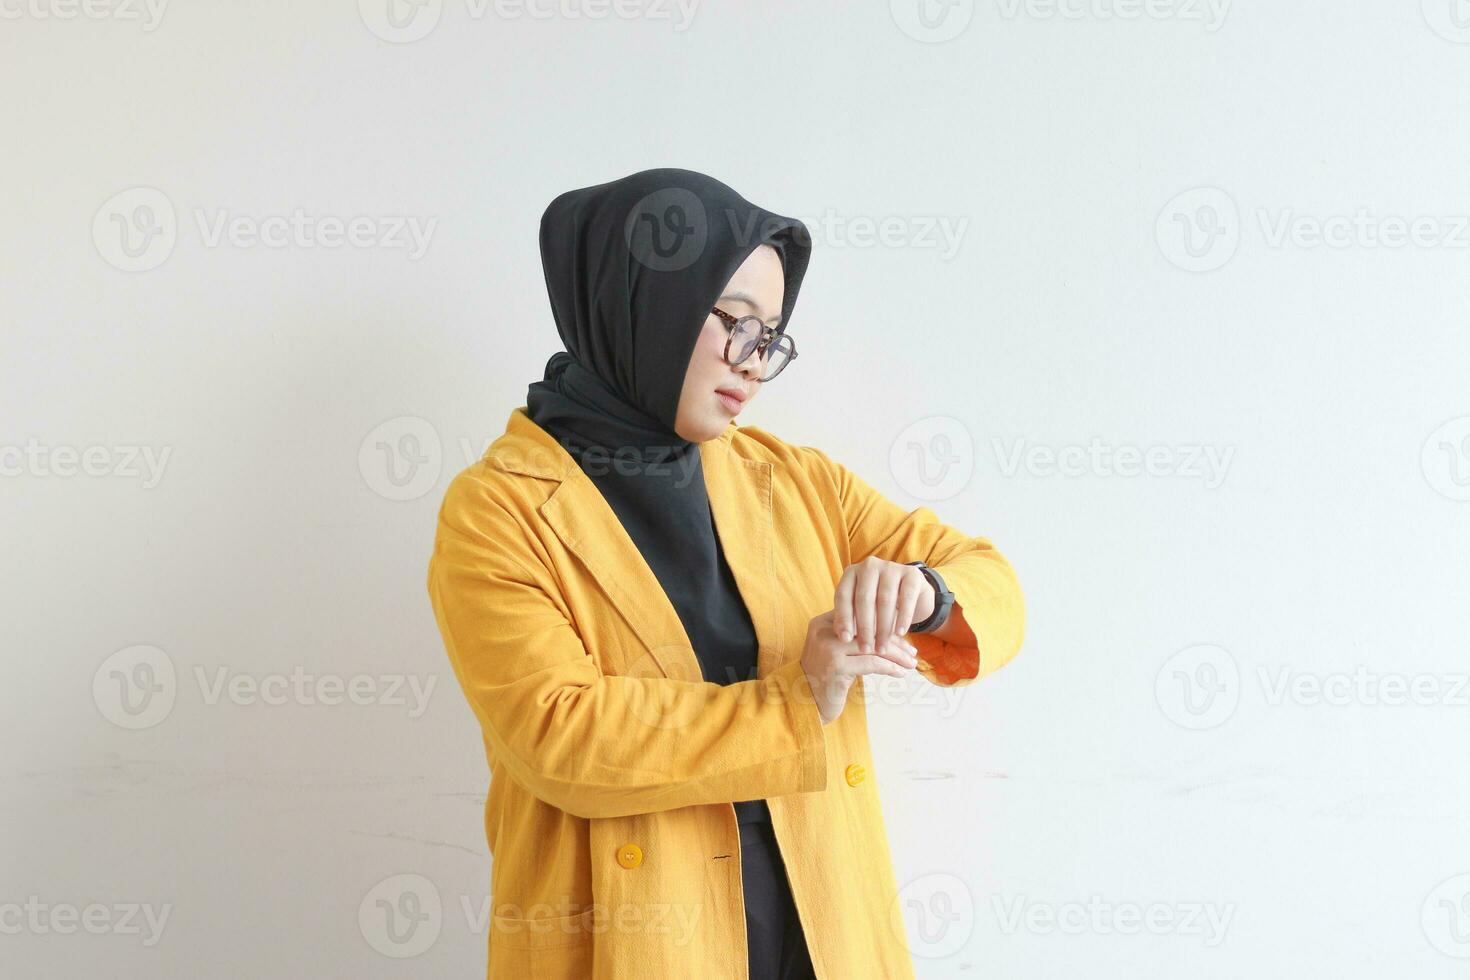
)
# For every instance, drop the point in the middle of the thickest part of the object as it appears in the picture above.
(749, 335)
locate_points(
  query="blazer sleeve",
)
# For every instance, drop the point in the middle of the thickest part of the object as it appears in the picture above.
(595, 744)
(982, 580)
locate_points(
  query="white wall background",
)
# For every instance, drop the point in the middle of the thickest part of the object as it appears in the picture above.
(1160, 748)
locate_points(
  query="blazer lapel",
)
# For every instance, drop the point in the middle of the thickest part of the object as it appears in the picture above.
(589, 528)
(741, 499)
(740, 496)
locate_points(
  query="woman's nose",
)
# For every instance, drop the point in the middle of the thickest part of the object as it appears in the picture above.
(753, 366)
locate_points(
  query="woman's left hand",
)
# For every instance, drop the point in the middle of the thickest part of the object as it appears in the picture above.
(877, 598)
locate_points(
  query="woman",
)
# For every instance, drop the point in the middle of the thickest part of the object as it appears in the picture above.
(662, 619)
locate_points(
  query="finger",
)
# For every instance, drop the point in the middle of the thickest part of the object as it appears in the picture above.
(864, 593)
(900, 651)
(842, 618)
(896, 649)
(865, 664)
(914, 584)
(890, 581)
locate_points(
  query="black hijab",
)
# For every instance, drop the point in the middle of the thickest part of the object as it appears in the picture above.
(633, 267)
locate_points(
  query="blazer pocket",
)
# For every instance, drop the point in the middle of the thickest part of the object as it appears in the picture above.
(542, 932)
(550, 948)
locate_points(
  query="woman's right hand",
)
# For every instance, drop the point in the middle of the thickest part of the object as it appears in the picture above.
(832, 663)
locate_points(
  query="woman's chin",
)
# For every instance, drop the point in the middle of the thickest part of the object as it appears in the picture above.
(704, 429)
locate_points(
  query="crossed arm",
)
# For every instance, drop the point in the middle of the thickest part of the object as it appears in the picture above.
(986, 625)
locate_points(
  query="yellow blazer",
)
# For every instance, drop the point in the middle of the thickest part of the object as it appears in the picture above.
(613, 764)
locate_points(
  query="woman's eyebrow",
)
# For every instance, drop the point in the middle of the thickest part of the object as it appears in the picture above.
(739, 296)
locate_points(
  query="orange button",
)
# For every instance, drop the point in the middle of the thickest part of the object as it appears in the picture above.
(630, 855)
(855, 774)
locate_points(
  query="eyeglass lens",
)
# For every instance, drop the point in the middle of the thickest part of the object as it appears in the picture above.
(743, 339)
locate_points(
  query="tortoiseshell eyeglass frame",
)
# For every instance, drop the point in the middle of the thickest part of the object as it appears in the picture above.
(768, 336)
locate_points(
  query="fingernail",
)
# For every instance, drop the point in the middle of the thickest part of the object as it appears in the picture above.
(847, 636)
(902, 630)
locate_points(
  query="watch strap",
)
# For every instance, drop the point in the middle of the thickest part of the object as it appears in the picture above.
(943, 601)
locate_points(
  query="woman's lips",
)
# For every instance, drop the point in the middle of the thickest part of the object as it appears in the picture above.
(732, 405)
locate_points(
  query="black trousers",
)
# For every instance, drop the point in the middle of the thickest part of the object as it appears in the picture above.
(777, 946)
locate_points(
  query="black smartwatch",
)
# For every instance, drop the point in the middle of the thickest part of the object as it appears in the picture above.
(943, 601)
